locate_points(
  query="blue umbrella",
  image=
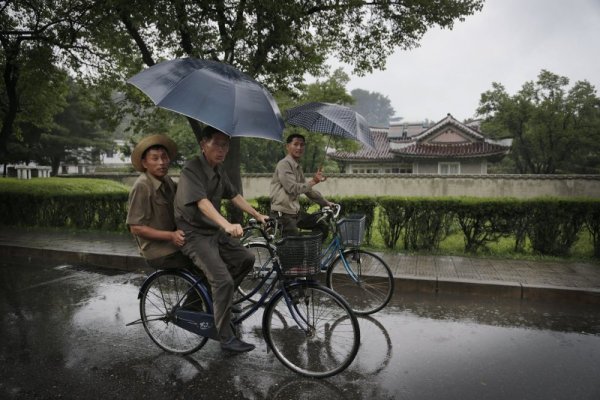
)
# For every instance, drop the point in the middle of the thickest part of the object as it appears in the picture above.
(214, 93)
(332, 119)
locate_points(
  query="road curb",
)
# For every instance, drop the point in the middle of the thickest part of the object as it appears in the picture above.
(495, 289)
(113, 261)
(403, 283)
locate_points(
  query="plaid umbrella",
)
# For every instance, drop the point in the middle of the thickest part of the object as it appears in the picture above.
(214, 93)
(332, 119)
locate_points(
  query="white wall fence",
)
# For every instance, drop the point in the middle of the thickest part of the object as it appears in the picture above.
(517, 186)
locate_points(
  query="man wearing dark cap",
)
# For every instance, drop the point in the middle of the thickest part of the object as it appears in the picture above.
(210, 238)
(150, 216)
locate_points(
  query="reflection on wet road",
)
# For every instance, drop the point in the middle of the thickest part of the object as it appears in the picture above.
(64, 334)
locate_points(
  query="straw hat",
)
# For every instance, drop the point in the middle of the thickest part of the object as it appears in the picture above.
(147, 142)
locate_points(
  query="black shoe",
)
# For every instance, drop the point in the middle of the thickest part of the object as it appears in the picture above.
(236, 345)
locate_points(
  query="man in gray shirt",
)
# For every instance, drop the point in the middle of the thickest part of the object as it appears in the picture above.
(288, 183)
(210, 239)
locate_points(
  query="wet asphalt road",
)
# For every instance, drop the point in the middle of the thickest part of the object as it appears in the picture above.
(64, 335)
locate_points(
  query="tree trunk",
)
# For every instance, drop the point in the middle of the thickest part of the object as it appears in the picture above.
(232, 166)
(11, 77)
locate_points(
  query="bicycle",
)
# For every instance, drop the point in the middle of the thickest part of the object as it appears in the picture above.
(361, 277)
(309, 327)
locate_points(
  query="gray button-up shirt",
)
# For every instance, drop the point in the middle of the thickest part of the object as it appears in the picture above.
(288, 184)
(198, 181)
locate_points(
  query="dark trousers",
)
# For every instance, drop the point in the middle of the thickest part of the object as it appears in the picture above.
(225, 263)
(177, 260)
(292, 223)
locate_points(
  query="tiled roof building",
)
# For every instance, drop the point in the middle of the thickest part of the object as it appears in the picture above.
(446, 147)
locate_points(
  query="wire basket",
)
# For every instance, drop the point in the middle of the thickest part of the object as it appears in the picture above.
(300, 255)
(352, 230)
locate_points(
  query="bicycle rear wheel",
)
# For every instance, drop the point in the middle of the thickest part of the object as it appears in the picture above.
(307, 344)
(263, 265)
(372, 286)
(161, 294)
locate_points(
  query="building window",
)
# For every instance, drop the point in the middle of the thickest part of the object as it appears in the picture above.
(449, 168)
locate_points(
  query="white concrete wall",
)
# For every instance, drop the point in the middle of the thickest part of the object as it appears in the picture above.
(518, 186)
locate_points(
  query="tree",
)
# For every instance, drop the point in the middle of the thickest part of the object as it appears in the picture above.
(554, 130)
(31, 33)
(41, 92)
(375, 107)
(275, 41)
(77, 134)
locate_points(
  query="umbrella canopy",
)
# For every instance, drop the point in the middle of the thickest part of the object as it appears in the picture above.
(331, 119)
(214, 93)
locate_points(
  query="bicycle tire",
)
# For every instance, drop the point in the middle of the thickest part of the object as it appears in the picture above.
(160, 294)
(263, 264)
(375, 285)
(315, 352)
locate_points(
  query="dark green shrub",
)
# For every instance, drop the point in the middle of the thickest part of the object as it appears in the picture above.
(393, 216)
(483, 221)
(592, 223)
(555, 224)
(428, 223)
(59, 202)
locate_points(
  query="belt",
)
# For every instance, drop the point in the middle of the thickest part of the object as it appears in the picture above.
(281, 214)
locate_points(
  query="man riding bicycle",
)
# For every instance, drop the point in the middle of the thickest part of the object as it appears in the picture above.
(288, 183)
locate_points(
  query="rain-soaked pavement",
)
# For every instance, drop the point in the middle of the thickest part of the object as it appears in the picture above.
(64, 335)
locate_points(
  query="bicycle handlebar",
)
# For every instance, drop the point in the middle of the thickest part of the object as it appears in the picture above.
(254, 225)
(334, 210)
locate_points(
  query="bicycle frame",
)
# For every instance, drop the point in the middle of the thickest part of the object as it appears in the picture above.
(296, 314)
(202, 324)
(334, 249)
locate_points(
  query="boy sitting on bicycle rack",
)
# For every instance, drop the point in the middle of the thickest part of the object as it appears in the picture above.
(288, 184)
(150, 215)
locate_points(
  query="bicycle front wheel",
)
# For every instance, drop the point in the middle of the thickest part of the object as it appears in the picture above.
(301, 334)
(368, 285)
(160, 296)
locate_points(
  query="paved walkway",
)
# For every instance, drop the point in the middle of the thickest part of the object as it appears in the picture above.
(435, 274)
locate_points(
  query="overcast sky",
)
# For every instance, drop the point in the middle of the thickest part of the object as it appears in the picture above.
(509, 41)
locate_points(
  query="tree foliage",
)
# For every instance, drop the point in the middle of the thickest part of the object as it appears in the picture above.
(555, 129)
(36, 36)
(375, 107)
(277, 42)
(77, 134)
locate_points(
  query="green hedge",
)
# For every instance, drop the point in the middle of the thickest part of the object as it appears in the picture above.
(59, 202)
(551, 226)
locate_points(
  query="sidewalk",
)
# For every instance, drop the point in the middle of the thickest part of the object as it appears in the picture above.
(428, 274)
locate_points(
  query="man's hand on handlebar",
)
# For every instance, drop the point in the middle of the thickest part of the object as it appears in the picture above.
(331, 208)
(234, 230)
(262, 218)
